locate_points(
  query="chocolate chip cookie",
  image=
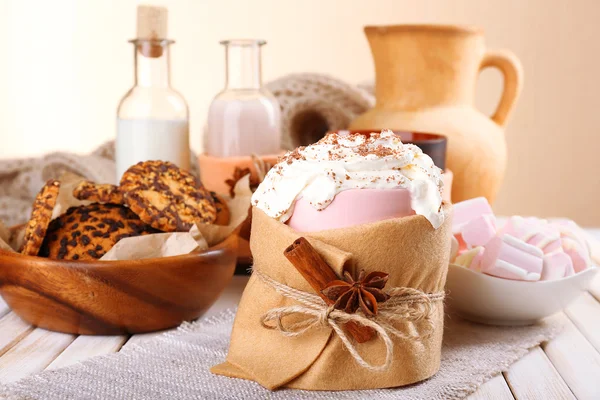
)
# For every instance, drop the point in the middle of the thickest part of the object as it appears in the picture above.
(89, 232)
(98, 193)
(166, 197)
(41, 215)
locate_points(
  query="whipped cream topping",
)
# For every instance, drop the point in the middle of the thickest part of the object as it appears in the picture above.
(340, 162)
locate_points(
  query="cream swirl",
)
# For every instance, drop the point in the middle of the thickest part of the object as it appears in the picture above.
(340, 162)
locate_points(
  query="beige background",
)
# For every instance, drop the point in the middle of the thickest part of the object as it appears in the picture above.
(66, 63)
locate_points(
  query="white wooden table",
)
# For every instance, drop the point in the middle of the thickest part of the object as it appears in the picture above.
(568, 367)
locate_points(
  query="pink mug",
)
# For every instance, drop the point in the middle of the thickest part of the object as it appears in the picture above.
(352, 207)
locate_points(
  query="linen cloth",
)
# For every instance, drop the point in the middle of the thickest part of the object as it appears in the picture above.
(176, 365)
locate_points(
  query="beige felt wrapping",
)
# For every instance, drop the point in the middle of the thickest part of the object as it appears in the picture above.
(409, 249)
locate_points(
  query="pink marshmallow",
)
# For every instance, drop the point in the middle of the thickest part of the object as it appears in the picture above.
(511, 258)
(453, 248)
(518, 226)
(578, 253)
(471, 259)
(547, 241)
(568, 226)
(574, 243)
(468, 210)
(479, 231)
(556, 266)
(535, 231)
(462, 246)
(570, 270)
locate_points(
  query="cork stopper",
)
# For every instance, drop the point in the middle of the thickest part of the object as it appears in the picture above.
(151, 27)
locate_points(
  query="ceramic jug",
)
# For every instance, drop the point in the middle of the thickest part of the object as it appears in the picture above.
(426, 77)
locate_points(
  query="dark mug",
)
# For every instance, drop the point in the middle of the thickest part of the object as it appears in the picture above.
(432, 144)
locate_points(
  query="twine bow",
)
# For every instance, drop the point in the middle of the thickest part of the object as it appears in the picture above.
(405, 305)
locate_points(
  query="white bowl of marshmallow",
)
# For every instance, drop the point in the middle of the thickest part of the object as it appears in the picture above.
(517, 271)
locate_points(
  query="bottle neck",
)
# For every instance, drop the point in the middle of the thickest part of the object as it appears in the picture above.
(243, 64)
(152, 63)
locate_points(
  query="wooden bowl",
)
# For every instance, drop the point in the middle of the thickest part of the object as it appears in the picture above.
(115, 297)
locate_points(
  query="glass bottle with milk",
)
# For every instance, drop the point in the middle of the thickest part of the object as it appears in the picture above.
(152, 118)
(244, 118)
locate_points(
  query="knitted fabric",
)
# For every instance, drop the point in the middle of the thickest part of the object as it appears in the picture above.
(313, 104)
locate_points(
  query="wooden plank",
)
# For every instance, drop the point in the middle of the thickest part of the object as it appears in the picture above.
(534, 377)
(85, 347)
(576, 361)
(229, 298)
(32, 354)
(494, 389)
(585, 314)
(42, 349)
(142, 337)
(12, 329)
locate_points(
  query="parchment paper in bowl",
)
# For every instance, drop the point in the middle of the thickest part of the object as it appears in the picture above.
(4, 233)
(199, 238)
(4, 245)
(4, 237)
(65, 199)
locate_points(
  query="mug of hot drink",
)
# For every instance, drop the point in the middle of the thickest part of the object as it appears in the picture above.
(352, 178)
(351, 207)
(432, 144)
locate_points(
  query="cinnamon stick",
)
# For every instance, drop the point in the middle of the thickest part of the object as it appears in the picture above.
(318, 274)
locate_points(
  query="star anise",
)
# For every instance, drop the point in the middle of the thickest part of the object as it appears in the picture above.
(364, 292)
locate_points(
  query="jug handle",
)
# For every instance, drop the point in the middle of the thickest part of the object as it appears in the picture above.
(511, 69)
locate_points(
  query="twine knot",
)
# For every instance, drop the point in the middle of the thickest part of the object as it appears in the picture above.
(404, 305)
(324, 317)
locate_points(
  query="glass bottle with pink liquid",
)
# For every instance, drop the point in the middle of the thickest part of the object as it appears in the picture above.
(244, 118)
